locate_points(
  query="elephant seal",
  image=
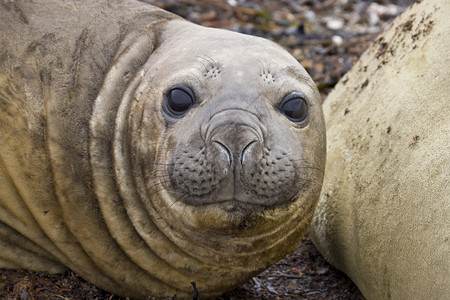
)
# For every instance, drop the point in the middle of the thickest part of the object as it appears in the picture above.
(145, 152)
(383, 215)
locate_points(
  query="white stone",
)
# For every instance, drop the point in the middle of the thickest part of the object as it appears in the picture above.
(337, 40)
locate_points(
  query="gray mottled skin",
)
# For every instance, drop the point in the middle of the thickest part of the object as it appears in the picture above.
(95, 176)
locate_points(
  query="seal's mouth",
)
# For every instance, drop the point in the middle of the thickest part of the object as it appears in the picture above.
(240, 214)
(236, 214)
(227, 216)
(236, 204)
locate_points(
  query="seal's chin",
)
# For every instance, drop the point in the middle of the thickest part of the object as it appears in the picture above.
(233, 215)
(236, 214)
(242, 214)
(229, 215)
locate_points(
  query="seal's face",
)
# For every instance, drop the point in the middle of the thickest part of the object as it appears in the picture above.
(240, 138)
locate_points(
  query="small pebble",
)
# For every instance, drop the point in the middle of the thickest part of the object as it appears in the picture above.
(337, 40)
(335, 23)
(310, 16)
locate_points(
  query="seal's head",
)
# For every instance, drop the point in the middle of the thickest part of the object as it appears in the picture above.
(232, 164)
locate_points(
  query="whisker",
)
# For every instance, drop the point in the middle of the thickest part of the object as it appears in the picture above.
(152, 187)
(162, 164)
(263, 70)
(154, 176)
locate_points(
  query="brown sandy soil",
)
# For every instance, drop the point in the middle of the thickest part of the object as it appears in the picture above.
(326, 37)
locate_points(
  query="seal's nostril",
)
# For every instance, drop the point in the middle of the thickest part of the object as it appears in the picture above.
(245, 151)
(227, 151)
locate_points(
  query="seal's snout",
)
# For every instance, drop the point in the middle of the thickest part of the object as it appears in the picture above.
(235, 149)
(235, 164)
(238, 145)
(244, 155)
(225, 153)
(247, 151)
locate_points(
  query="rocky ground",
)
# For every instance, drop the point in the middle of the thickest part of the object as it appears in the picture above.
(326, 37)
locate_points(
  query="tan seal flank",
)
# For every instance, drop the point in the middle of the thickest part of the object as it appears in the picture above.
(384, 213)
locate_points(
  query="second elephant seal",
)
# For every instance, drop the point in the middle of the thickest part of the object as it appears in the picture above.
(145, 152)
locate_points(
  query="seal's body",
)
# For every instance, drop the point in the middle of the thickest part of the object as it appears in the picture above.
(384, 213)
(145, 152)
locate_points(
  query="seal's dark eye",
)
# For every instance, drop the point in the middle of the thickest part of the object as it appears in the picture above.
(295, 107)
(179, 99)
